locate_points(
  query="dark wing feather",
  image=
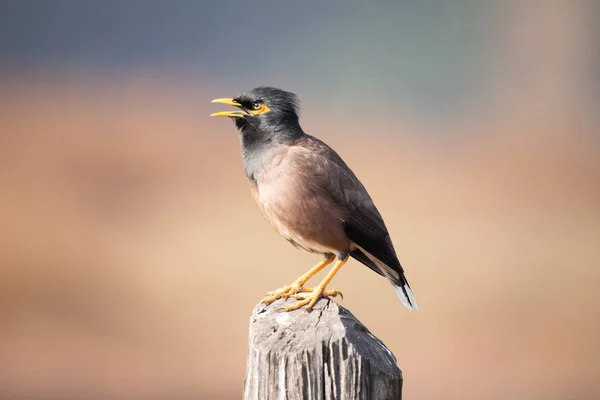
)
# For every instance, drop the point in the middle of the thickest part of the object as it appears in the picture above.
(365, 227)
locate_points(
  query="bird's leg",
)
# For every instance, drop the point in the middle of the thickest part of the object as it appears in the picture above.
(298, 285)
(310, 299)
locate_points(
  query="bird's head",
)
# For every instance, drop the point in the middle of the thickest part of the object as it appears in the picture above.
(265, 109)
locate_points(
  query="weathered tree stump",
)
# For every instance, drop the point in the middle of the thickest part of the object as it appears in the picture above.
(324, 354)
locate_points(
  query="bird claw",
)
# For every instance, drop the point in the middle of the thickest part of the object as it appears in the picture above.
(284, 293)
(310, 299)
(325, 293)
(333, 293)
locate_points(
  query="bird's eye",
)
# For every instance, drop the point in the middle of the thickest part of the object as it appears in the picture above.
(256, 105)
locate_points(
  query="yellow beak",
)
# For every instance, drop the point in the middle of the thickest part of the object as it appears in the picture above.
(232, 114)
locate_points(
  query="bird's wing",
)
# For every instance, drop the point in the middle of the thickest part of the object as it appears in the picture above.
(362, 221)
(364, 225)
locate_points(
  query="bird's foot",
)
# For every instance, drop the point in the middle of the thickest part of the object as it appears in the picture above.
(310, 299)
(284, 293)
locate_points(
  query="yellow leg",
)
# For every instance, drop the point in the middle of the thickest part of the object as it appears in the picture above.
(310, 299)
(298, 285)
(314, 270)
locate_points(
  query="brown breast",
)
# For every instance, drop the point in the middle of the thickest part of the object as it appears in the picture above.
(298, 207)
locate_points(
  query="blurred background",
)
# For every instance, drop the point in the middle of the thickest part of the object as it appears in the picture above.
(132, 253)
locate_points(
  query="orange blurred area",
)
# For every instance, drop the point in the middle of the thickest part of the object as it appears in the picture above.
(132, 253)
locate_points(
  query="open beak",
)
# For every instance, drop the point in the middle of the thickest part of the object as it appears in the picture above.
(232, 114)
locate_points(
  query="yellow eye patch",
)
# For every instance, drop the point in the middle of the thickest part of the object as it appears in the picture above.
(262, 110)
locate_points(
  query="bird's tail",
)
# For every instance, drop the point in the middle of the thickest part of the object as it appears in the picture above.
(405, 293)
(396, 277)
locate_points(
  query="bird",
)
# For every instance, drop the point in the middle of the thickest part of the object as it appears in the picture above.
(310, 196)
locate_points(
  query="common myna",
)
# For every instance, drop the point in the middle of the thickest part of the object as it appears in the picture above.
(310, 196)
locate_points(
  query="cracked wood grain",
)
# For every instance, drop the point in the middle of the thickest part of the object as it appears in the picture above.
(325, 354)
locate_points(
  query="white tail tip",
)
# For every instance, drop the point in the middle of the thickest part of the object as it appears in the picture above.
(409, 301)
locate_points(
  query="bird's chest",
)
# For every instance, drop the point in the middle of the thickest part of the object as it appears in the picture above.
(288, 202)
(279, 198)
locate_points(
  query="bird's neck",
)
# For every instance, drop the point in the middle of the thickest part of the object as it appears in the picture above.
(258, 146)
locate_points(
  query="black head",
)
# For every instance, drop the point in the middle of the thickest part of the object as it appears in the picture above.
(264, 111)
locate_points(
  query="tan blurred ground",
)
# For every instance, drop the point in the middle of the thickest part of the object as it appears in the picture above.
(132, 253)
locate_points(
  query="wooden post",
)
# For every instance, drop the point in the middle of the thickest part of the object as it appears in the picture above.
(324, 354)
